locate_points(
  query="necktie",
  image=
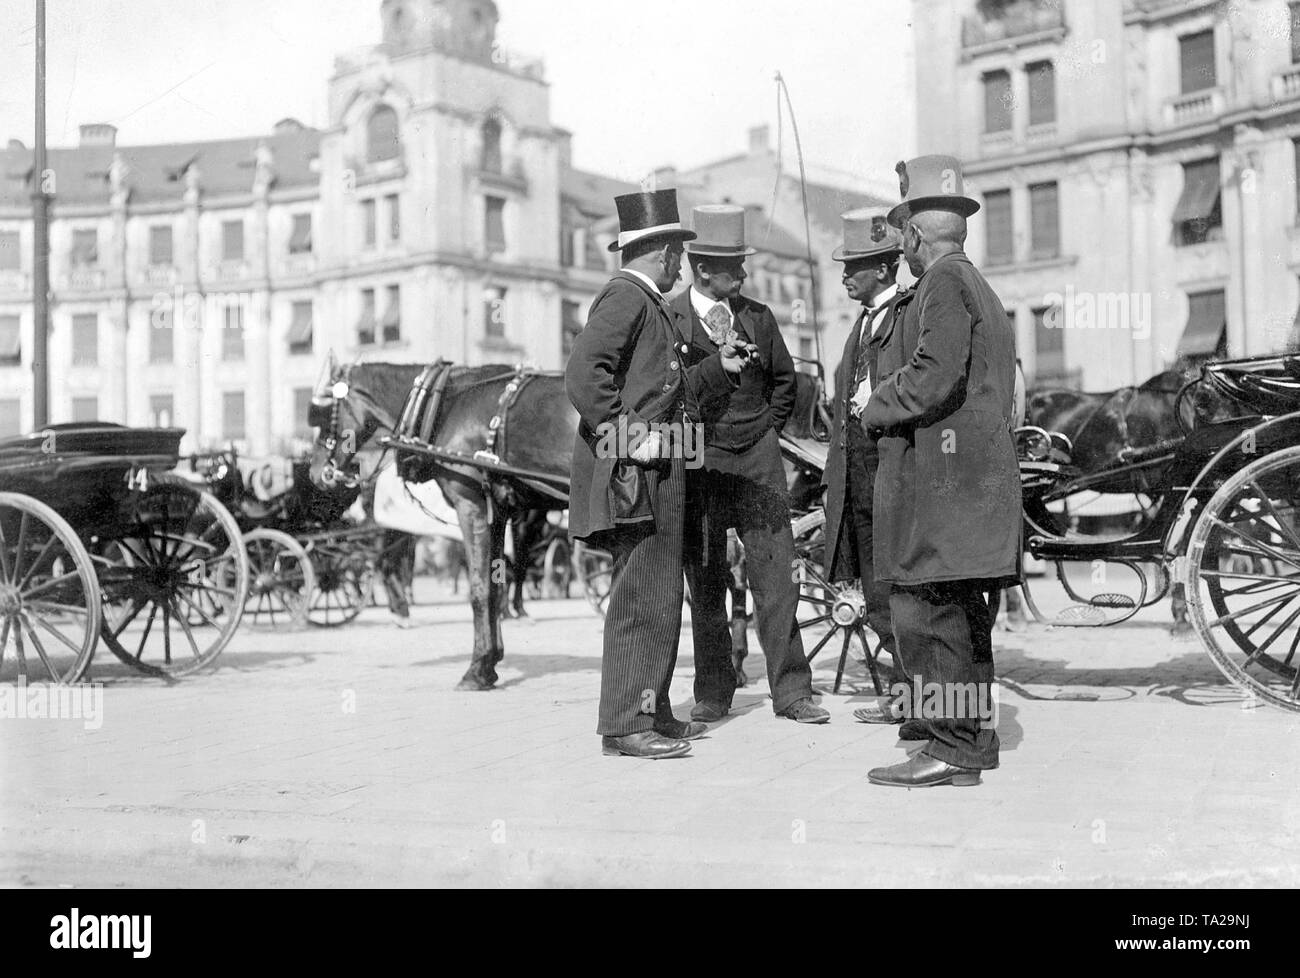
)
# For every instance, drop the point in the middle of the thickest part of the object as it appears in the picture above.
(862, 366)
(718, 322)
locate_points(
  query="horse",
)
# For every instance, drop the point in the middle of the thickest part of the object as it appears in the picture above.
(365, 403)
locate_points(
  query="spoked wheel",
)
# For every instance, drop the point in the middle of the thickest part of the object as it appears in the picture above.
(840, 609)
(344, 579)
(557, 569)
(49, 598)
(176, 576)
(596, 568)
(1243, 586)
(281, 580)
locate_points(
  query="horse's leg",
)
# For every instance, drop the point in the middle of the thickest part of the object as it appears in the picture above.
(739, 587)
(472, 511)
(527, 531)
(397, 554)
(497, 596)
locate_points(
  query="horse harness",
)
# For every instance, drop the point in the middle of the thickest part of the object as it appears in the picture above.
(424, 405)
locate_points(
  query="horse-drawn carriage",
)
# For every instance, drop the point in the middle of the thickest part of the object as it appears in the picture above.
(99, 543)
(1221, 523)
(309, 561)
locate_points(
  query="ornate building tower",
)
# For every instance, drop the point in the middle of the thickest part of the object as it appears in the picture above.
(464, 27)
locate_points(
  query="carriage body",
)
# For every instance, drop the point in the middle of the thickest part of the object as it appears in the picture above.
(100, 543)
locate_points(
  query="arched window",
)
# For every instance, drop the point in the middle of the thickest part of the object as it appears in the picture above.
(382, 142)
(491, 160)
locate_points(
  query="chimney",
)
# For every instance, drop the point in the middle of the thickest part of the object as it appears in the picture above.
(758, 140)
(98, 134)
(665, 177)
(564, 147)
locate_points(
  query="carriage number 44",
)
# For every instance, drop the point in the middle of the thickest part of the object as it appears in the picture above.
(137, 479)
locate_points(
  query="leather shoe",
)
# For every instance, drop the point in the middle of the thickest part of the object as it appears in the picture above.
(805, 711)
(710, 711)
(681, 729)
(878, 712)
(923, 771)
(647, 743)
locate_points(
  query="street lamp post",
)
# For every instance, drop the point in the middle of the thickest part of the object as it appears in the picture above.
(41, 246)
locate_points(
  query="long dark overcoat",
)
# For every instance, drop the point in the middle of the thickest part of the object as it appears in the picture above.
(947, 499)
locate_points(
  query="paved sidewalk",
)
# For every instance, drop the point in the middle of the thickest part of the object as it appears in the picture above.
(345, 758)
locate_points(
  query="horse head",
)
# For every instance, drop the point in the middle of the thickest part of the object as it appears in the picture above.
(347, 419)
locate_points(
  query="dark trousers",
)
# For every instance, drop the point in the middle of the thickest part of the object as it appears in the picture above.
(643, 620)
(760, 514)
(856, 531)
(945, 634)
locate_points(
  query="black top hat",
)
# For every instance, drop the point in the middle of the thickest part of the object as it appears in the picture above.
(648, 215)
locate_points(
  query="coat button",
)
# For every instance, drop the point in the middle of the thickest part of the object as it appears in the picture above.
(685, 348)
(667, 388)
(673, 365)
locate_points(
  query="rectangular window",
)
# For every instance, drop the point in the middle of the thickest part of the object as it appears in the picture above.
(11, 259)
(366, 324)
(392, 322)
(11, 417)
(1295, 33)
(85, 340)
(232, 415)
(998, 228)
(570, 325)
(160, 244)
(494, 312)
(1044, 220)
(394, 217)
(300, 327)
(232, 332)
(494, 223)
(1049, 343)
(1197, 215)
(11, 341)
(997, 101)
(85, 409)
(161, 411)
(85, 248)
(232, 240)
(368, 222)
(1196, 61)
(1205, 335)
(1042, 93)
(161, 335)
(300, 236)
(301, 411)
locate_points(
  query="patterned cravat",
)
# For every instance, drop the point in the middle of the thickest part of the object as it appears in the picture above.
(718, 322)
(862, 367)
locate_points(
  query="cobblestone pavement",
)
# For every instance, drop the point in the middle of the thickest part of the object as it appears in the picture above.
(346, 758)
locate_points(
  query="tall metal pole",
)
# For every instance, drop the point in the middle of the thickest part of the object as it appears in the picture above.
(41, 251)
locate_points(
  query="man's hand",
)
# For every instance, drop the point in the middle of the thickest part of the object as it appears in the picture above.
(650, 449)
(736, 356)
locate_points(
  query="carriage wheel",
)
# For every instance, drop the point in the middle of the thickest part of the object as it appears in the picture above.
(596, 568)
(281, 580)
(344, 581)
(1243, 578)
(176, 576)
(557, 569)
(839, 609)
(49, 598)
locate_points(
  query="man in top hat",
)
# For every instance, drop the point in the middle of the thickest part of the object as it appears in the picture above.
(947, 497)
(871, 252)
(628, 486)
(742, 483)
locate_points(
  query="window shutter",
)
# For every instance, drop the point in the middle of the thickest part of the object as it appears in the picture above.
(1044, 215)
(998, 227)
(997, 101)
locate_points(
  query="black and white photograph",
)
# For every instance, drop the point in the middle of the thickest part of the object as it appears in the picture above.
(711, 444)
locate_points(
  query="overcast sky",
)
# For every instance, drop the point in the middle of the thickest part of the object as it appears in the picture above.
(670, 82)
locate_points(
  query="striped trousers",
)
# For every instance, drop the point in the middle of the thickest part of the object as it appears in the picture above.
(643, 620)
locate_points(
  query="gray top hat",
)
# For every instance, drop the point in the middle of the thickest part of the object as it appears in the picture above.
(866, 234)
(719, 232)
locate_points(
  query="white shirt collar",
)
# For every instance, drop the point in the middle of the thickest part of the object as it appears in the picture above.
(644, 278)
(884, 297)
(703, 303)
